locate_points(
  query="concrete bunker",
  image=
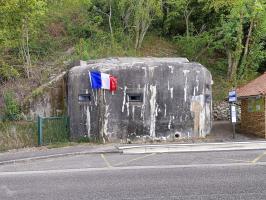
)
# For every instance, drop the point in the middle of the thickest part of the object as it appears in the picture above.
(163, 98)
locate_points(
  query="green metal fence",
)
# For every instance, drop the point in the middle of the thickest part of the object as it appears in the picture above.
(53, 130)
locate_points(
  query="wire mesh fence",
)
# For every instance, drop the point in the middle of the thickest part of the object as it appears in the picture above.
(53, 130)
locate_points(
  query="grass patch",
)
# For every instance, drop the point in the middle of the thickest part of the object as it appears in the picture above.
(14, 135)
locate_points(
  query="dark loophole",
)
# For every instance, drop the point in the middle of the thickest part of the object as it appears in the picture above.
(177, 135)
(84, 97)
(134, 97)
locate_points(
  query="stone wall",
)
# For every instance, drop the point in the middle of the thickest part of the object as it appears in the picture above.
(221, 111)
(253, 122)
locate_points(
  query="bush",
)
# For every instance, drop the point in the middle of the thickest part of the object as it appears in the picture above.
(14, 135)
(12, 110)
(7, 72)
(194, 47)
(101, 45)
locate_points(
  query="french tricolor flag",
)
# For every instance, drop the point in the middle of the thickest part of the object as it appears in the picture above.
(102, 81)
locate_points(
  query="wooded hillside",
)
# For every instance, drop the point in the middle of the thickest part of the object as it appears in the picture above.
(38, 38)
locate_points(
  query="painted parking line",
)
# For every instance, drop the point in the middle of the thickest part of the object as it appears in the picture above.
(259, 157)
(235, 160)
(106, 161)
(134, 159)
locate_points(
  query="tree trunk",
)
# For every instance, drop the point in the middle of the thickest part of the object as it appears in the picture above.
(137, 30)
(229, 66)
(25, 48)
(234, 68)
(246, 48)
(110, 20)
(126, 18)
(28, 48)
(187, 14)
(248, 38)
(144, 29)
(236, 54)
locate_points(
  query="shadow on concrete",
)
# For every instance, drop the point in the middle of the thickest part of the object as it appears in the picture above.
(223, 131)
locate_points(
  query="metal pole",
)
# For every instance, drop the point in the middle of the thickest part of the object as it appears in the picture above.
(232, 116)
(40, 142)
(234, 130)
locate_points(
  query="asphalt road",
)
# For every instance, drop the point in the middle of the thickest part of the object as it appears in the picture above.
(205, 175)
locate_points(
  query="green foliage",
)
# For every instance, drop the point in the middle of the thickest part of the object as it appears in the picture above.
(84, 140)
(55, 130)
(19, 25)
(12, 110)
(194, 47)
(7, 72)
(138, 16)
(37, 92)
(237, 36)
(227, 36)
(14, 135)
(101, 46)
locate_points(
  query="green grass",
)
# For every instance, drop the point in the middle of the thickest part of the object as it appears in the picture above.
(14, 135)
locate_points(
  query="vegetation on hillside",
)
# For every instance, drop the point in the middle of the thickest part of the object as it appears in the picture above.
(227, 36)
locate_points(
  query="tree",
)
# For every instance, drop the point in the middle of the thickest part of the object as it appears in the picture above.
(240, 21)
(140, 13)
(106, 10)
(19, 22)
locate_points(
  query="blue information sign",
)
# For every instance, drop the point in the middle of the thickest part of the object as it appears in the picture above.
(232, 96)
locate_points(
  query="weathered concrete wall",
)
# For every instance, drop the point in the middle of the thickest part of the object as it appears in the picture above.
(176, 99)
(49, 99)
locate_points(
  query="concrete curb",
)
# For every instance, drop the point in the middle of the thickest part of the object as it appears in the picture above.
(30, 159)
(196, 147)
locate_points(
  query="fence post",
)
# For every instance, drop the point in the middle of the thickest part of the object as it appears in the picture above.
(40, 131)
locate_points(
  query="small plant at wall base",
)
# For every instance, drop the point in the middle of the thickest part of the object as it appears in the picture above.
(12, 111)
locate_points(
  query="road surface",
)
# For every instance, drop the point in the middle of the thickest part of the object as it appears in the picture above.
(192, 176)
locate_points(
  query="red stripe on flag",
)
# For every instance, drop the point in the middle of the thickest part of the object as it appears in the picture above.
(113, 83)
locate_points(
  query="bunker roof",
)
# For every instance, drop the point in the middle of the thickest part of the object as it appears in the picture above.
(128, 62)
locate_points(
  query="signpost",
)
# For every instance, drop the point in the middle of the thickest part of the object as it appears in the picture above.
(232, 100)
(232, 96)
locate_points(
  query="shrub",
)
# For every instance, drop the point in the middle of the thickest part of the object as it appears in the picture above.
(12, 110)
(194, 47)
(7, 72)
(14, 135)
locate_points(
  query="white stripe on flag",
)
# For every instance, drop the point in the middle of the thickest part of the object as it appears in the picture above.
(105, 81)
(90, 78)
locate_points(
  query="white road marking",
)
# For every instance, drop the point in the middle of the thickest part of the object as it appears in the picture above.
(106, 161)
(134, 159)
(131, 168)
(259, 157)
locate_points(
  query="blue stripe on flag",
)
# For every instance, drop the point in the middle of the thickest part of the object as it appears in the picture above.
(96, 81)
